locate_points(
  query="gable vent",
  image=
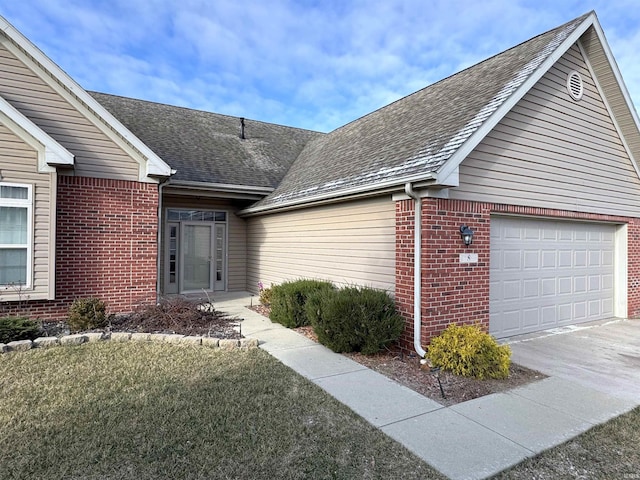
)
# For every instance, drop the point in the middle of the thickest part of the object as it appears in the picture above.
(575, 85)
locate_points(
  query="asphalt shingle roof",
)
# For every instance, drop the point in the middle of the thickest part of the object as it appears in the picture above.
(416, 134)
(206, 147)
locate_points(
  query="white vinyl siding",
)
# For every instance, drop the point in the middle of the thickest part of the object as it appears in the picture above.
(347, 243)
(19, 166)
(551, 151)
(95, 154)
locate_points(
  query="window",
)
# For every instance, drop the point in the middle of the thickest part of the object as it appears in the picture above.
(15, 234)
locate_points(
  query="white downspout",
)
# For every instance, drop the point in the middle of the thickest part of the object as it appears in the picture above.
(417, 270)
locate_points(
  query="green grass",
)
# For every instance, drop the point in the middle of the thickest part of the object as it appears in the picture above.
(149, 411)
(608, 451)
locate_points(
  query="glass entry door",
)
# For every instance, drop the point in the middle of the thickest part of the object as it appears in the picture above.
(195, 251)
(197, 239)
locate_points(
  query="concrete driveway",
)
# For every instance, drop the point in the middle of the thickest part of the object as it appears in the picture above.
(603, 355)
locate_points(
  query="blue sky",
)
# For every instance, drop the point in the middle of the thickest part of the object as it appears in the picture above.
(305, 63)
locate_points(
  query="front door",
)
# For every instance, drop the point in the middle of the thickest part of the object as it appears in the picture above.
(195, 256)
(195, 251)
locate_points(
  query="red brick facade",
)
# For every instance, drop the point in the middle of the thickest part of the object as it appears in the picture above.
(106, 245)
(457, 292)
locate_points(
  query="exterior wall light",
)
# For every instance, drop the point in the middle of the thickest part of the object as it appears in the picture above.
(467, 235)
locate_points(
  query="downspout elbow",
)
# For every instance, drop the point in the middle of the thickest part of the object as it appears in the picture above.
(417, 270)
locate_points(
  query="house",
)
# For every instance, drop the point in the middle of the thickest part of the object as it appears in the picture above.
(531, 154)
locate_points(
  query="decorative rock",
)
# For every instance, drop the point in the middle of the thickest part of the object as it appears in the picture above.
(120, 336)
(141, 337)
(20, 345)
(3, 348)
(191, 340)
(157, 337)
(77, 339)
(211, 342)
(95, 337)
(227, 344)
(173, 338)
(44, 342)
(247, 343)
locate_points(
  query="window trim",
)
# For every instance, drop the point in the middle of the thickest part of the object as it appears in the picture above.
(28, 204)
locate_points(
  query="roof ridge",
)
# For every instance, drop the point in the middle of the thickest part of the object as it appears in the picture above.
(191, 109)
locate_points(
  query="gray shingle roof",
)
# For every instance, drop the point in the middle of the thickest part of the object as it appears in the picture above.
(206, 147)
(416, 134)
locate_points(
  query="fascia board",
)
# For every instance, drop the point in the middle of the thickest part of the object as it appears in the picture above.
(489, 124)
(155, 166)
(337, 195)
(50, 153)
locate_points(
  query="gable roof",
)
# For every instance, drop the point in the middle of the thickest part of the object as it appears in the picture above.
(425, 136)
(50, 153)
(154, 166)
(206, 148)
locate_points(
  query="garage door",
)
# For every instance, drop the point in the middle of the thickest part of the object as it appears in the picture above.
(545, 274)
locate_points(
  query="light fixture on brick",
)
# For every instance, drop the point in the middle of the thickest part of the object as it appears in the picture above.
(467, 235)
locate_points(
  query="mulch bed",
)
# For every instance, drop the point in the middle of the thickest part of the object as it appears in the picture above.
(407, 371)
(176, 315)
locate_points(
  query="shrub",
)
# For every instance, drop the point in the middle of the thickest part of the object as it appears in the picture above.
(87, 314)
(288, 301)
(468, 351)
(265, 296)
(355, 319)
(18, 328)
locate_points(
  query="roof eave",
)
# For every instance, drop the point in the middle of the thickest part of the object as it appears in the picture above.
(50, 153)
(155, 166)
(351, 193)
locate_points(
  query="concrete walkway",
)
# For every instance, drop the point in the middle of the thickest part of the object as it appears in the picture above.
(471, 440)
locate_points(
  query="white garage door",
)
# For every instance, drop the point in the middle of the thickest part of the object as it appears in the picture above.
(545, 274)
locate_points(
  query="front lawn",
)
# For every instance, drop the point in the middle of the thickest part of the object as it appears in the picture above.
(149, 411)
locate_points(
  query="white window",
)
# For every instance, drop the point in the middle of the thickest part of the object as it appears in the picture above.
(16, 225)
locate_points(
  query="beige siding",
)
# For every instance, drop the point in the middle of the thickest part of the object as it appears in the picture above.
(19, 164)
(553, 152)
(612, 91)
(349, 243)
(95, 154)
(236, 235)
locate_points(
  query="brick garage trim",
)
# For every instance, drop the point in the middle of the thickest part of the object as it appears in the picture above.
(106, 246)
(455, 292)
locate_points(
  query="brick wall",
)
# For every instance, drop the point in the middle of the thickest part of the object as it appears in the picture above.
(106, 245)
(457, 292)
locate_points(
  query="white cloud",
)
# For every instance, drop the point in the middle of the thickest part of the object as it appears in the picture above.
(311, 64)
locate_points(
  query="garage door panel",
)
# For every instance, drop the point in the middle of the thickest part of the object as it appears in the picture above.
(548, 273)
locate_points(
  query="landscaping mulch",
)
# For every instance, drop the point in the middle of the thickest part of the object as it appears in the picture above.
(407, 371)
(174, 315)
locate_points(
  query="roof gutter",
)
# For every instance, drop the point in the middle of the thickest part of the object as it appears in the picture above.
(367, 190)
(417, 270)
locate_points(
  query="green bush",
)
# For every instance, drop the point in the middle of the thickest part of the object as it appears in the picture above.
(469, 351)
(87, 314)
(18, 328)
(355, 319)
(288, 301)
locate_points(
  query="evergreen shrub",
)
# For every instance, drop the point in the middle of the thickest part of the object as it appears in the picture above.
(470, 352)
(355, 319)
(289, 298)
(18, 328)
(87, 314)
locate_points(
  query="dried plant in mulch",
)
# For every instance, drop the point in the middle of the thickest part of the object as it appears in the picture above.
(179, 315)
(407, 370)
